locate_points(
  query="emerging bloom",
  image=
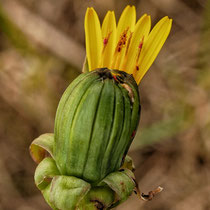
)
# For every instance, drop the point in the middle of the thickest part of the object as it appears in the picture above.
(128, 46)
(84, 163)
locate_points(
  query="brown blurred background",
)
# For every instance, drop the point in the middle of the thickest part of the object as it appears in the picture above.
(42, 51)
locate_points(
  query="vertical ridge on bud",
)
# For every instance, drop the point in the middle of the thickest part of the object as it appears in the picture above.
(115, 133)
(82, 129)
(125, 134)
(65, 113)
(101, 132)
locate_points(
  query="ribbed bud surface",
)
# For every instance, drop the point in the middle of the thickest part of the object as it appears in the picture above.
(95, 124)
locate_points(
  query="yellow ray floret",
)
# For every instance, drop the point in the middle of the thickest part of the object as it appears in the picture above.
(127, 46)
(109, 38)
(93, 39)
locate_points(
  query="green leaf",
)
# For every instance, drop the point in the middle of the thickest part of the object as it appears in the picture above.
(46, 194)
(122, 183)
(45, 172)
(41, 146)
(128, 163)
(67, 192)
(98, 198)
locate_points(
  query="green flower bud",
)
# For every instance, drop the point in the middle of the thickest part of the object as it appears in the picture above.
(83, 165)
(95, 123)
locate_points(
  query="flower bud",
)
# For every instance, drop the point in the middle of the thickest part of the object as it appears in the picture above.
(95, 124)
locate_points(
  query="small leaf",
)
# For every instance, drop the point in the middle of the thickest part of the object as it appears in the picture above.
(42, 147)
(128, 163)
(46, 194)
(44, 173)
(98, 198)
(122, 183)
(67, 192)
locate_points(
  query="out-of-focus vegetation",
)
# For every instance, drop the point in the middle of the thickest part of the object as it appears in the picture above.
(42, 51)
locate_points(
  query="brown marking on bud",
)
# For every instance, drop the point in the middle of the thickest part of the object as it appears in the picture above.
(133, 134)
(98, 204)
(130, 92)
(115, 78)
(123, 186)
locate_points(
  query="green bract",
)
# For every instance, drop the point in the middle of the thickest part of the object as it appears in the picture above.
(95, 124)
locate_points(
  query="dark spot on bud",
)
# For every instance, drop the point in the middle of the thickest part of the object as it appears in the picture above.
(133, 134)
(120, 79)
(123, 186)
(115, 78)
(98, 204)
(104, 73)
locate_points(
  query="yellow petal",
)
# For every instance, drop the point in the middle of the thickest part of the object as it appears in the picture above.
(109, 38)
(93, 39)
(125, 26)
(141, 30)
(120, 49)
(152, 46)
(127, 20)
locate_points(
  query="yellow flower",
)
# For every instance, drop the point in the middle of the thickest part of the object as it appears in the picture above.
(127, 46)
